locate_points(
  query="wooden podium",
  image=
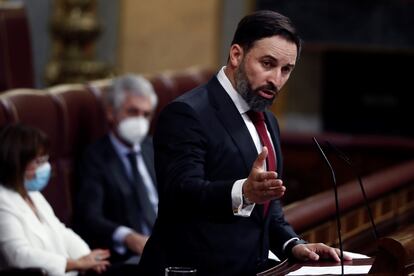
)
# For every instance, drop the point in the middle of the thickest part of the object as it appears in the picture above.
(286, 267)
(395, 256)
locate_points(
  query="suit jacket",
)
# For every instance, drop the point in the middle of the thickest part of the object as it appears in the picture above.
(27, 242)
(202, 146)
(106, 199)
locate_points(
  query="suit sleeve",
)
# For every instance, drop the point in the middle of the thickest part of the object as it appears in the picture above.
(181, 145)
(75, 246)
(92, 222)
(280, 230)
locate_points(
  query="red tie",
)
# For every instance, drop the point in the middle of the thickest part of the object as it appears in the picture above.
(259, 123)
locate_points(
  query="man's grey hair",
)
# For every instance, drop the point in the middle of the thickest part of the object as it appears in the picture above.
(130, 84)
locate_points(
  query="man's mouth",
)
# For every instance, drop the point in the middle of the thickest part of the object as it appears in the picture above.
(267, 93)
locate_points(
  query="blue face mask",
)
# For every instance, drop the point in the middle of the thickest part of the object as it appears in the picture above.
(42, 176)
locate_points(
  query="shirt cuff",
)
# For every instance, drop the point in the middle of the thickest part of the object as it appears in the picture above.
(288, 241)
(288, 246)
(119, 237)
(240, 208)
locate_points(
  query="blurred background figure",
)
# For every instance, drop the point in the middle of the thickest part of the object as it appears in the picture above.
(117, 200)
(30, 233)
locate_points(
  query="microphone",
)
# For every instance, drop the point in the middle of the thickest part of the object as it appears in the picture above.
(338, 215)
(347, 161)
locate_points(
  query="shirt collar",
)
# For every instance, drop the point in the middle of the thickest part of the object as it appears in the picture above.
(237, 99)
(121, 148)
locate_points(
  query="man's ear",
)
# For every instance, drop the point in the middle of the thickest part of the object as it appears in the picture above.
(236, 55)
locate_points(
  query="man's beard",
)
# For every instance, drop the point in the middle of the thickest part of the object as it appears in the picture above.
(252, 97)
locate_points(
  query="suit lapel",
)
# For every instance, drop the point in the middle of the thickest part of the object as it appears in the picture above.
(117, 170)
(237, 129)
(233, 122)
(228, 114)
(117, 176)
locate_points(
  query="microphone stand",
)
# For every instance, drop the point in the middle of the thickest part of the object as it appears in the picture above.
(338, 220)
(347, 161)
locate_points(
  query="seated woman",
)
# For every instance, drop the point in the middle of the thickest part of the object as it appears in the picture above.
(30, 233)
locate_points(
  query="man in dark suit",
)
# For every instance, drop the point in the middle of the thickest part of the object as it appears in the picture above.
(117, 200)
(218, 175)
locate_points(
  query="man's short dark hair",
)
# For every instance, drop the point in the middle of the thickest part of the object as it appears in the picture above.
(263, 24)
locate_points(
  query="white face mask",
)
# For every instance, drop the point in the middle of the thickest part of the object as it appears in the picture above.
(133, 129)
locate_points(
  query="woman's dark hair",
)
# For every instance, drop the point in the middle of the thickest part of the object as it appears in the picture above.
(19, 144)
(263, 24)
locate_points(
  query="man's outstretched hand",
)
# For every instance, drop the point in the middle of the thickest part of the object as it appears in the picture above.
(262, 185)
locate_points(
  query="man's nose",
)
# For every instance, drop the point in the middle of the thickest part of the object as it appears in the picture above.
(276, 79)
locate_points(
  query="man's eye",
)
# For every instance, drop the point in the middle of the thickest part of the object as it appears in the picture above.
(286, 70)
(266, 64)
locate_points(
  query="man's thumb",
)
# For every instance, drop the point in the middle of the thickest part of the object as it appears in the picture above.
(261, 159)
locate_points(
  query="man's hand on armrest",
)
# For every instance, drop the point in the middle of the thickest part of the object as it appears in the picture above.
(136, 242)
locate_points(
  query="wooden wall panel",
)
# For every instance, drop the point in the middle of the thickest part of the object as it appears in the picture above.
(162, 35)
